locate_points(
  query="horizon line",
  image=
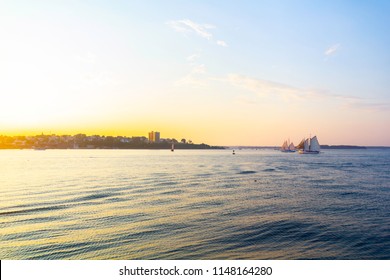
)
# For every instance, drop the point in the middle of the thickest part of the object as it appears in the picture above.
(229, 146)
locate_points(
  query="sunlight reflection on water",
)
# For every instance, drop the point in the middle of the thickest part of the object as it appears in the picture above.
(154, 204)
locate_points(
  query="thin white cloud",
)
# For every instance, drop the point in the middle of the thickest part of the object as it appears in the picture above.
(222, 43)
(364, 104)
(189, 26)
(264, 88)
(332, 50)
(186, 26)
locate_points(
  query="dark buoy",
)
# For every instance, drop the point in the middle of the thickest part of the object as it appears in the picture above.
(234, 152)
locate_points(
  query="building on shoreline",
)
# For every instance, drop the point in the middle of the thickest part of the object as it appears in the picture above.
(154, 137)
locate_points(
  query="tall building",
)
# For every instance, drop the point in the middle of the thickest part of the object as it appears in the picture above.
(154, 137)
(157, 136)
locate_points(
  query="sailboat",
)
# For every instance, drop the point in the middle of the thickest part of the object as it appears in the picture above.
(288, 148)
(310, 146)
(173, 147)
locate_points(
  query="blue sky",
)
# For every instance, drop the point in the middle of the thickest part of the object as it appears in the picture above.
(220, 72)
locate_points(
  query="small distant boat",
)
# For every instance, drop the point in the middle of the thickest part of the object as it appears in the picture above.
(310, 146)
(288, 148)
(173, 147)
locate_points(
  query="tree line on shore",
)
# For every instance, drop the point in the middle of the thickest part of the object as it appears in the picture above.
(82, 141)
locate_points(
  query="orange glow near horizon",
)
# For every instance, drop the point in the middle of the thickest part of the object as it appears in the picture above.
(259, 138)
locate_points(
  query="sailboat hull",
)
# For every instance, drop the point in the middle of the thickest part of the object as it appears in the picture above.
(309, 152)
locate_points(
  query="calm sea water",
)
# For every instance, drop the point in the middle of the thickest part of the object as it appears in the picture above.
(155, 204)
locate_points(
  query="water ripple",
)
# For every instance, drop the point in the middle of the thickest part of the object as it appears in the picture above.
(195, 205)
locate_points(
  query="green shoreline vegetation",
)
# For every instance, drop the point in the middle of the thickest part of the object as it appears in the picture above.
(82, 141)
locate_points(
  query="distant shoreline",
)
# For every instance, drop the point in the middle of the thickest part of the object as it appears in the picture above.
(342, 147)
(146, 146)
(82, 141)
(325, 147)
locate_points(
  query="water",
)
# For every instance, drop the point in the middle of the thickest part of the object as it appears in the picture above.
(155, 204)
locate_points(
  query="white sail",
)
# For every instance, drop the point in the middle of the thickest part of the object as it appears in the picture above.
(291, 147)
(284, 146)
(314, 145)
(306, 145)
(300, 145)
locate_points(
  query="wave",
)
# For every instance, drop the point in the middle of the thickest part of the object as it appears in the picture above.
(32, 210)
(247, 172)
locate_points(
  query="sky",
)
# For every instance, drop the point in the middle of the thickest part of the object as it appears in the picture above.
(216, 72)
